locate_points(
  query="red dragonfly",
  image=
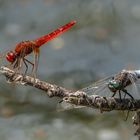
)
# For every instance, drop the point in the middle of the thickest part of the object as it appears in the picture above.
(17, 56)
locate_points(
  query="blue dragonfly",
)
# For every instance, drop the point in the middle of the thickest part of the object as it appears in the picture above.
(117, 84)
(123, 83)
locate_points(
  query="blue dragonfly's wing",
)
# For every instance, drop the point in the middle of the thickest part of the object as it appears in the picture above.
(98, 88)
(133, 88)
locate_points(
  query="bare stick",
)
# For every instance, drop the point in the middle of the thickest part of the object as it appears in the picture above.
(50, 89)
(78, 98)
(136, 122)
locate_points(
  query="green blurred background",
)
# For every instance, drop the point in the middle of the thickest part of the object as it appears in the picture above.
(104, 41)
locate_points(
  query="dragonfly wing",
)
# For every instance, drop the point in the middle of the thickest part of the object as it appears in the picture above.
(36, 60)
(98, 88)
(133, 86)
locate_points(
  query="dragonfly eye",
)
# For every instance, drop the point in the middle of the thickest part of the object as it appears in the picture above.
(11, 56)
(114, 84)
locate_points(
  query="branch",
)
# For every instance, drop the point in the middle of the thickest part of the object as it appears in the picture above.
(78, 98)
(50, 90)
(136, 122)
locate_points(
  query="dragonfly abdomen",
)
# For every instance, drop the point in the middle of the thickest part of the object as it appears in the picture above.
(45, 38)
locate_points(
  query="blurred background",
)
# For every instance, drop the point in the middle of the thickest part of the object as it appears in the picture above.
(104, 41)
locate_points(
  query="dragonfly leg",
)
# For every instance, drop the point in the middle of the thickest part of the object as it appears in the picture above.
(30, 63)
(120, 95)
(26, 69)
(125, 91)
(27, 61)
(124, 96)
(17, 65)
(36, 58)
(114, 94)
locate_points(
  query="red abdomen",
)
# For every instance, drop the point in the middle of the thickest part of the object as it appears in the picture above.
(45, 38)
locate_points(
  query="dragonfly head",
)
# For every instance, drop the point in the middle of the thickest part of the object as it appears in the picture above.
(114, 85)
(11, 56)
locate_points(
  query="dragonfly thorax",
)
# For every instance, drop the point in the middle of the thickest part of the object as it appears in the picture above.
(11, 56)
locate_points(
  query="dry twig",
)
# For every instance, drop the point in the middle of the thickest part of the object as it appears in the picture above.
(78, 98)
